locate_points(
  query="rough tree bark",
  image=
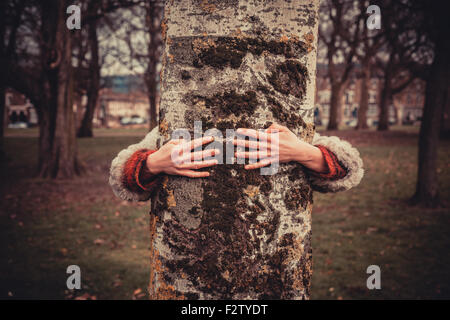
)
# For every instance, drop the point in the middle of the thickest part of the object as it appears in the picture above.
(57, 140)
(237, 234)
(93, 89)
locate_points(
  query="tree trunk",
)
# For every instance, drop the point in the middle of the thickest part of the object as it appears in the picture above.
(335, 106)
(153, 17)
(436, 94)
(445, 123)
(364, 96)
(85, 129)
(237, 234)
(57, 142)
(386, 94)
(2, 121)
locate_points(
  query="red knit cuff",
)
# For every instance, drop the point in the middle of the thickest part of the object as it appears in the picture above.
(335, 170)
(136, 176)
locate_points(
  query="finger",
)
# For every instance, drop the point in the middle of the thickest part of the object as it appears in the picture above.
(199, 142)
(251, 144)
(254, 154)
(254, 134)
(193, 174)
(198, 164)
(199, 155)
(260, 164)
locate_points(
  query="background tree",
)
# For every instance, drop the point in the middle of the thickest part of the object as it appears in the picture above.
(139, 31)
(339, 31)
(93, 71)
(371, 41)
(47, 80)
(433, 20)
(11, 17)
(153, 18)
(402, 57)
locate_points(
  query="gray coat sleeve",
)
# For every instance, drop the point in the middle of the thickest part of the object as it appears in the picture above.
(117, 166)
(348, 156)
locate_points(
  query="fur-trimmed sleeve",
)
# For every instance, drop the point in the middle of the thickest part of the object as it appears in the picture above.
(347, 156)
(118, 164)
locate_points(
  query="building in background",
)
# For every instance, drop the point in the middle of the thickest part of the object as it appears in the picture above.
(123, 101)
(19, 111)
(405, 107)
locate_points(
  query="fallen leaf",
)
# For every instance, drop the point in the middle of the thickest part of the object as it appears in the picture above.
(99, 241)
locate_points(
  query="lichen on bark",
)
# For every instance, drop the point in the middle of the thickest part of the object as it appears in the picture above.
(236, 234)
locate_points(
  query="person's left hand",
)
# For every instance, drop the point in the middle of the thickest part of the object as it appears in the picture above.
(278, 141)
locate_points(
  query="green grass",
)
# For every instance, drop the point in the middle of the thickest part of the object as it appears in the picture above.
(47, 225)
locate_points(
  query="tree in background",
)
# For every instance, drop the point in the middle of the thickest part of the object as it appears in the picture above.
(139, 31)
(42, 70)
(371, 41)
(434, 21)
(340, 32)
(403, 55)
(153, 18)
(90, 60)
(39, 65)
(93, 71)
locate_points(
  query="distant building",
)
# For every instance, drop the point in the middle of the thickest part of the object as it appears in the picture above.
(19, 109)
(121, 97)
(406, 105)
(114, 106)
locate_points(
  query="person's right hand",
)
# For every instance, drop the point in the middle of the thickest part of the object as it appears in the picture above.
(176, 158)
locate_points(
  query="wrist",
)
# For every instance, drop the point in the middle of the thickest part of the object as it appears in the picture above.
(153, 164)
(305, 153)
(312, 158)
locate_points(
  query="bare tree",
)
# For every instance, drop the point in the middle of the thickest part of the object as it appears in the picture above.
(48, 82)
(141, 33)
(339, 30)
(10, 20)
(371, 41)
(402, 56)
(434, 21)
(95, 13)
(93, 83)
(153, 18)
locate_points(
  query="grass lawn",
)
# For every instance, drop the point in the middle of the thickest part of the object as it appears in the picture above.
(46, 226)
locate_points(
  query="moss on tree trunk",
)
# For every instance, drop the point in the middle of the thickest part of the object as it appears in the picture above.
(237, 234)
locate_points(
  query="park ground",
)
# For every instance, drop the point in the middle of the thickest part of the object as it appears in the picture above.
(46, 226)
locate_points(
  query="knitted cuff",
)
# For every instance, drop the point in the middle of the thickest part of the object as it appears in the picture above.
(136, 176)
(335, 170)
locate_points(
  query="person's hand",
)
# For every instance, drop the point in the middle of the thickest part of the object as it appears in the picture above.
(278, 142)
(176, 158)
